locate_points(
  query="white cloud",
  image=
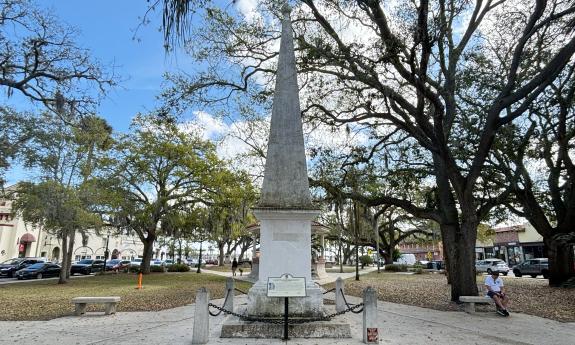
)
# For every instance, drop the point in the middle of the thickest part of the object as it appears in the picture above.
(208, 127)
(248, 8)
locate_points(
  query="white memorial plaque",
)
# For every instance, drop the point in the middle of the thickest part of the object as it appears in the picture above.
(286, 286)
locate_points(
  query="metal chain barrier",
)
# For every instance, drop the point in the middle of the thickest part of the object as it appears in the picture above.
(221, 309)
(290, 321)
(348, 305)
(244, 317)
(330, 316)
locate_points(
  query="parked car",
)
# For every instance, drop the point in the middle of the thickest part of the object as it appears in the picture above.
(492, 265)
(137, 262)
(39, 271)
(169, 262)
(9, 267)
(207, 261)
(157, 262)
(117, 264)
(533, 267)
(87, 266)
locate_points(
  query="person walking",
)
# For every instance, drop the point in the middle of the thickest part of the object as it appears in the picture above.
(234, 267)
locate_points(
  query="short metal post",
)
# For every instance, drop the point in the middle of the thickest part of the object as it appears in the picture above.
(229, 305)
(201, 332)
(370, 330)
(339, 302)
(286, 337)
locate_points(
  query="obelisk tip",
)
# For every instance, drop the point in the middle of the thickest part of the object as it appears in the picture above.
(286, 10)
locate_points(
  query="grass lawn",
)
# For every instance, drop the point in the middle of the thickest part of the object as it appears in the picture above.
(42, 300)
(529, 296)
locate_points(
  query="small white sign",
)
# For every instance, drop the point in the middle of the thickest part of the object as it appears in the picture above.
(286, 286)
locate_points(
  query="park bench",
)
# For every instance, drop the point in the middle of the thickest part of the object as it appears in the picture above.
(81, 302)
(469, 302)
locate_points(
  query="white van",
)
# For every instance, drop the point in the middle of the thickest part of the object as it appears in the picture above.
(407, 259)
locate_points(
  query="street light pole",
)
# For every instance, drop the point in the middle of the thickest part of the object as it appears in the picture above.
(199, 270)
(106, 252)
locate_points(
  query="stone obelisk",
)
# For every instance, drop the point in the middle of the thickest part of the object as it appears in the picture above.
(285, 210)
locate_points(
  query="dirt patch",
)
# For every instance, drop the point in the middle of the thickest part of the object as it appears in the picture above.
(529, 296)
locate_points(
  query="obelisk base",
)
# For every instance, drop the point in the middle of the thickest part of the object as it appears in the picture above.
(259, 304)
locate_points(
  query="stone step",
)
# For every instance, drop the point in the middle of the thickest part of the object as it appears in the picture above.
(233, 327)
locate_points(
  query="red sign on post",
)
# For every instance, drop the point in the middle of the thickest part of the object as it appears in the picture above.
(372, 335)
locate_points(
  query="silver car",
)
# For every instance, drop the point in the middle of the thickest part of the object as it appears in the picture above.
(492, 265)
(533, 267)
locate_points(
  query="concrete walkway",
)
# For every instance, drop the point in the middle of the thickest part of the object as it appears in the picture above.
(331, 277)
(398, 324)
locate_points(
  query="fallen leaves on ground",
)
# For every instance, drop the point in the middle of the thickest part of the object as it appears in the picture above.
(43, 300)
(527, 295)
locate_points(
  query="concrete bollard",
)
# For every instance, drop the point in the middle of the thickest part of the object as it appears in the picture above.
(201, 332)
(339, 302)
(370, 331)
(230, 291)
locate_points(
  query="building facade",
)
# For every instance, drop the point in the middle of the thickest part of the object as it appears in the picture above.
(21, 239)
(513, 244)
(423, 251)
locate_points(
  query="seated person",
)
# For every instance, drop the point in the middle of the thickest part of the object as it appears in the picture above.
(494, 286)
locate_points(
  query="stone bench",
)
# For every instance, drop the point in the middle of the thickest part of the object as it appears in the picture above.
(469, 302)
(81, 302)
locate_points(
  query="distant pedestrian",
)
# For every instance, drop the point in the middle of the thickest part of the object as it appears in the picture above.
(234, 267)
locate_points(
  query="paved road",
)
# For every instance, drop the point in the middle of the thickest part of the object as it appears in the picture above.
(5, 281)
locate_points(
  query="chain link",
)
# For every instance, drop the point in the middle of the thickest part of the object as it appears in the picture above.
(348, 305)
(221, 309)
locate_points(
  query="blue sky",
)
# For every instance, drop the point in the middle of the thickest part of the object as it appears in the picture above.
(107, 28)
(112, 32)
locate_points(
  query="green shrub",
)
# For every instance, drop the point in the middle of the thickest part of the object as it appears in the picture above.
(418, 265)
(134, 269)
(418, 270)
(157, 268)
(365, 260)
(178, 268)
(396, 268)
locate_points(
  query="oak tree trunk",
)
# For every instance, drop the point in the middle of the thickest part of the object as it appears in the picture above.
(71, 241)
(64, 266)
(148, 253)
(560, 262)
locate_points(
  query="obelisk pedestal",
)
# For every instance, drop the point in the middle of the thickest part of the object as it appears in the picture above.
(285, 248)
